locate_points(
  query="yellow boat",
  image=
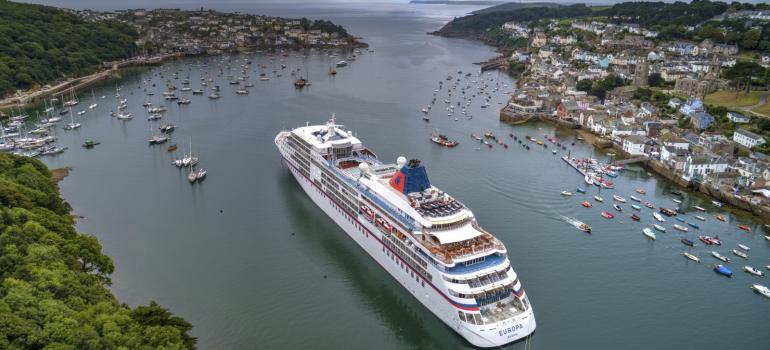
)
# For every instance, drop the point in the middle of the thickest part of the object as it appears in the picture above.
(540, 143)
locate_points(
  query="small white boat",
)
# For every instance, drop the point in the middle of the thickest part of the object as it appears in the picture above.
(588, 179)
(677, 201)
(647, 232)
(753, 271)
(744, 247)
(566, 193)
(600, 199)
(633, 198)
(681, 228)
(691, 256)
(636, 207)
(82, 112)
(761, 289)
(659, 228)
(658, 217)
(700, 218)
(740, 253)
(717, 204)
(720, 257)
(618, 198)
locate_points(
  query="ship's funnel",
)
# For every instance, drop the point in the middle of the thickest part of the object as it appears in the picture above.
(410, 177)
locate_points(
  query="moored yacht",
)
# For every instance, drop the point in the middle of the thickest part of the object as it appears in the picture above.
(424, 238)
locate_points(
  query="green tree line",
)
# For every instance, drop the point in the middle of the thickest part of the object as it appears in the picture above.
(477, 24)
(42, 44)
(53, 280)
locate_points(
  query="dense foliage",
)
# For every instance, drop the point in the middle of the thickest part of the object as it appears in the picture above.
(53, 280)
(650, 14)
(41, 44)
(324, 26)
(477, 24)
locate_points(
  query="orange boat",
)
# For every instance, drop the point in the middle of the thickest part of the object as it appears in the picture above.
(586, 204)
(744, 227)
(721, 218)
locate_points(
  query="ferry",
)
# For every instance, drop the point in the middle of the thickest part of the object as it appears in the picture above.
(428, 241)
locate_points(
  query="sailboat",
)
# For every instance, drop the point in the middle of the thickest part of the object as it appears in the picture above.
(332, 71)
(93, 98)
(72, 125)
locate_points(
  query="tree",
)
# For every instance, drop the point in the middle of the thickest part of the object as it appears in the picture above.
(750, 39)
(655, 80)
(584, 85)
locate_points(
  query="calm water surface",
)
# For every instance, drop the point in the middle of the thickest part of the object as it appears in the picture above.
(253, 263)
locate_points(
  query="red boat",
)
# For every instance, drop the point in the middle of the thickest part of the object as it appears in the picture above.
(445, 141)
(586, 204)
(667, 212)
(708, 240)
(635, 217)
(607, 215)
(744, 227)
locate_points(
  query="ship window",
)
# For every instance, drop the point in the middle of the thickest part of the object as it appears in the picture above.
(423, 284)
(462, 315)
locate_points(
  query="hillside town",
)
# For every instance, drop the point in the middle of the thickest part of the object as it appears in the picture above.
(209, 31)
(665, 102)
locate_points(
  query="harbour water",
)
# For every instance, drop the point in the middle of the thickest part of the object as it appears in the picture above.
(251, 262)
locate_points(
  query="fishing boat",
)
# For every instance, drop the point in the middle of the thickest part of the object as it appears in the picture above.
(635, 217)
(740, 254)
(443, 140)
(636, 207)
(586, 204)
(720, 257)
(640, 191)
(691, 257)
(659, 228)
(746, 248)
(744, 227)
(700, 218)
(688, 242)
(618, 198)
(617, 207)
(721, 218)
(699, 208)
(598, 199)
(647, 232)
(633, 198)
(658, 217)
(762, 290)
(693, 225)
(753, 271)
(681, 228)
(607, 215)
(723, 270)
(717, 204)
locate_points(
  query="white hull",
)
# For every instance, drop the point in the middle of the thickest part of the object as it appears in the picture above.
(368, 237)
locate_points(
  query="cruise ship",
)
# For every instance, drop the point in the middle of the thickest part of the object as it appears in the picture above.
(427, 240)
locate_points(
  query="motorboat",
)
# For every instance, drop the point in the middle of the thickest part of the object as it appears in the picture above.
(583, 227)
(635, 217)
(618, 198)
(720, 257)
(744, 227)
(586, 204)
(581, 190)
(723, 270)
(761, 289)
(566, 193)
(647, 232)
(740, 254)
(681, 228)
(677, 201)
(679, 219)
(636, 207)
(598, 199)
(721, 218)
(607, 215)
(667, 212)
(708, 240)
(688, 242)
(658, 217)
(753, 271)
(700, 218)
(649, 205)
(640, 191)
(691, 257)
(693, 225)
(699, 208)
(635, 199)
(746, 248)
(617, 207)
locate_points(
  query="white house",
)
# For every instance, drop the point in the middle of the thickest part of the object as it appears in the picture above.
(747, 138)
(634, 144)
(738, 118)
(697, 166)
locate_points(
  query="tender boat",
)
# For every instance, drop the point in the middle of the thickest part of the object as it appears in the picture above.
(599, 199)
(649, 205)
(618, 198)
(635, 217)
(753, 271)
(681, 228)
(586, 204)
(744, 227)
(635, 199)
(617, 207)
(761, 289)
(659, 228)
(744, 247)
(658, 217)
(741, 254)
(721, 218)
(688, 242)
(647, 232)
(566, 193)
(700, 218)
(720, 257)
(691, 257)
(640, 191)
(607, 215)
(693, 225)
(636, 207)
(723, 270)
